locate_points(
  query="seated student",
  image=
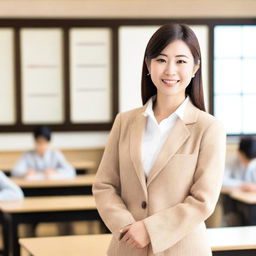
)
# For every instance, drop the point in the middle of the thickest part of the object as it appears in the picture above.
(43, 162)
(8, 190)
(241, 170)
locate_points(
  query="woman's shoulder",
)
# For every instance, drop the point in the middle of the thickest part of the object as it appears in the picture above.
(131, 114)
(204, 122)
(206, 119)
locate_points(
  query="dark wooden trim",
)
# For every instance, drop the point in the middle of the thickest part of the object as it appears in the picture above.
(66, 76)
(53, 22)
(115, 71)
(17, 72)
(211, 68)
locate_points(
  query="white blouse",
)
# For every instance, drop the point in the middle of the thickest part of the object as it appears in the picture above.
(156, 134)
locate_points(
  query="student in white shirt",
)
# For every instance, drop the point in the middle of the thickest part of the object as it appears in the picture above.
(8, 190)
(241, 169)
(43, 162)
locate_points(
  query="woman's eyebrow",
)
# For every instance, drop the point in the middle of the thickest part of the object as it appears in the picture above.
(182, 55)
(177, 56)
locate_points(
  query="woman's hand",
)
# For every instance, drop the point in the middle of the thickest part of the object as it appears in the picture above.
(49, 172)
(136, 235)
(248, 187)
(29, 173)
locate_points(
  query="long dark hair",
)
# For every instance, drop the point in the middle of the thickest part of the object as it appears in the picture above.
(160, 39)
(247, 145)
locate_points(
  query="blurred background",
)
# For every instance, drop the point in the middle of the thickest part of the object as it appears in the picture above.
(73, 65)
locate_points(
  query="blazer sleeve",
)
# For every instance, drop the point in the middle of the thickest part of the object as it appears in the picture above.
(106, 188)
(170, 225)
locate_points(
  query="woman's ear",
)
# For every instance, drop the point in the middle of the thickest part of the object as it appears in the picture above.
(147, 61)
(196, 67)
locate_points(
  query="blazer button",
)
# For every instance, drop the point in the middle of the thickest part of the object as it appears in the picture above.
(144, 205)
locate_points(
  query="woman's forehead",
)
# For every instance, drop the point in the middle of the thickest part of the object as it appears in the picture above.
(177, 48)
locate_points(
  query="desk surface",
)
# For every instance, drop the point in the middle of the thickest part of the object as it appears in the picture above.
(77, 164)
(245, 197)
(67, 245)
(232, 238)
(221, 239)
(51, 203)
(239, 195)
(83, 164)
(226, 190)
(80, 180)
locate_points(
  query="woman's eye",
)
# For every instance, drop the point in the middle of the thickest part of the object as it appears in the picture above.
(160, 60)
(181, 61)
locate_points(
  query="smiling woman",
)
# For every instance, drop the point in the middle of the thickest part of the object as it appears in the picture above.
(161, 172)
(183, 48)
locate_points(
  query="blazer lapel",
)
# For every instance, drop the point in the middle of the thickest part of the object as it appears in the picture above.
(136, 135)
(177, 137)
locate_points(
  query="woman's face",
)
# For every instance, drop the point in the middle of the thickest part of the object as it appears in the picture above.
(172, 71)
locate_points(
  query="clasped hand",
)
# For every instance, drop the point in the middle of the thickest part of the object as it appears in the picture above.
(135, 235)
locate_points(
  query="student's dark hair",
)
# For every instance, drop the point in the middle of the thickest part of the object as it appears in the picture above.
(160, 39)
(42, 131)
(247, 146)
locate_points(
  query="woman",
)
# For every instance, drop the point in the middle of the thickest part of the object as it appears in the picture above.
(162, 168)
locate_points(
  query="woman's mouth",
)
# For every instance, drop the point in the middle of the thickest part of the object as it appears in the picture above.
(170, 82)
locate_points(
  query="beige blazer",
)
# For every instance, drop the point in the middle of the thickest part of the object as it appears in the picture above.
(180, 192)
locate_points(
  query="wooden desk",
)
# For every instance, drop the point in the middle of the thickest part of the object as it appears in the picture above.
(80, 159)
(233, 241)
(43, 209)
(79, 185)
(224, 241)
(83, 164)
(77, 164)
(86, 245)
(244, 197)
(226, 190)
(244, 203)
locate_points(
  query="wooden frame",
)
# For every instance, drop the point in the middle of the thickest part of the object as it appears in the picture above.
(65, 25)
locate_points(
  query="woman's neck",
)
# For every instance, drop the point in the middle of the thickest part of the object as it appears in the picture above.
(164, 105)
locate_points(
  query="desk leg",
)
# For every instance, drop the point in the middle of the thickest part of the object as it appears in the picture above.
(6, 234)
(248, 212)
(14, 237)
(252, 215)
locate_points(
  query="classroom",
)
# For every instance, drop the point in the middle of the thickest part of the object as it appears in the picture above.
(126, 128)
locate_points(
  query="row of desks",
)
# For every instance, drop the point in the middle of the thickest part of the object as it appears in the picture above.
(61, 208)
(43, 203)
(43, 209)
(223, 241)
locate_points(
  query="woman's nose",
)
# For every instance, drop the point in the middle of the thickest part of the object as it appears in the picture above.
(170, 69)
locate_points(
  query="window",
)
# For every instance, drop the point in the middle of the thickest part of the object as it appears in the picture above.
(234, 95)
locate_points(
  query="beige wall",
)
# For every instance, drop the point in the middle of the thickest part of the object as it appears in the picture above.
(128, 8)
